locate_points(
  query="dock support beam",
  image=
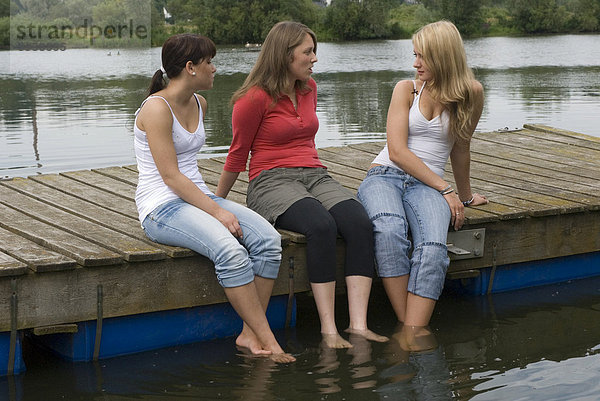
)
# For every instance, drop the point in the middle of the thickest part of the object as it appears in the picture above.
(13, 328)
(100, 312)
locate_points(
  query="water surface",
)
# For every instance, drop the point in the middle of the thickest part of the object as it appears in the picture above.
(535, 344)
(74, 109)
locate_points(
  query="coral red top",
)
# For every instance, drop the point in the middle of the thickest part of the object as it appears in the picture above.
(274, 135)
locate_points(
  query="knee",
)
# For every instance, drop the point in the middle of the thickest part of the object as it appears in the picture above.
(391, 245)
(322, 229)
(430, 263)
(233, 266)
(390, 228)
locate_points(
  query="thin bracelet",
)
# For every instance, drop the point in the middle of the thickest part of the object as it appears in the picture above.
(467, 203)
(445, 189)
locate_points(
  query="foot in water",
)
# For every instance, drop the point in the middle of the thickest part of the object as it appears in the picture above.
(416, 338)
(335, 341)
(255, 348)
(368, 334)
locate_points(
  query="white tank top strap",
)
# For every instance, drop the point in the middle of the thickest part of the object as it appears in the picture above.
(160, 97)
(154, 97)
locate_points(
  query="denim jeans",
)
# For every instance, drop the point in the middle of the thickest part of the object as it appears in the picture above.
(236, 260)
(396, 202)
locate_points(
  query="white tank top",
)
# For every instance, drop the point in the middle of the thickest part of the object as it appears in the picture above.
(151, 189)
(428, 139)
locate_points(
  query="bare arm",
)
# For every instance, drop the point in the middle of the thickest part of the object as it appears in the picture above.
(156, 120)
(226, 181)
(460, 156)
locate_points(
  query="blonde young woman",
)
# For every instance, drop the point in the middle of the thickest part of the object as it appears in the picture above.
(429, 119)
(275, 120)
(177, 208)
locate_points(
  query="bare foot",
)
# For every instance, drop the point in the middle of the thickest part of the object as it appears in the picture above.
(368, 334)
(274, 352)
(335, 341)
(282, 357)
(416, 339)
(251, 343)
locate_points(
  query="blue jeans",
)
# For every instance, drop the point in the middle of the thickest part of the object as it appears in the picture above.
(396, 202)
(236, 260)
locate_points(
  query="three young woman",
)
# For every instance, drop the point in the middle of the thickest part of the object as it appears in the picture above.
(429, 119)
(274, 121)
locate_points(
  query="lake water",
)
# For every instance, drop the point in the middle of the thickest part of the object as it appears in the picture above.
(74, 109)
(539, 344)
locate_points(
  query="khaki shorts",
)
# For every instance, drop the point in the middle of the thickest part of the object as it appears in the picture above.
(274, 191)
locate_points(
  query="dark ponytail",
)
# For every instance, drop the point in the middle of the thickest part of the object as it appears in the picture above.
(158, 82)
(176, 52)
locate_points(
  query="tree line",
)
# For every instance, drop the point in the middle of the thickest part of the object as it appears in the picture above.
(242, 21)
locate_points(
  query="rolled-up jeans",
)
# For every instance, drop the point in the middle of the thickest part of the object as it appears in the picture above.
(396, 202)
(236, 260)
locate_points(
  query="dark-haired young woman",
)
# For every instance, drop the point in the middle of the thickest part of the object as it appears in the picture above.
(176, 207)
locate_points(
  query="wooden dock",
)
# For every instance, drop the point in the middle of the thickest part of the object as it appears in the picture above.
(65, 237)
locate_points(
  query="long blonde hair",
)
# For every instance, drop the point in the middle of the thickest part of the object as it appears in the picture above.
(271, 69)
(441, 47)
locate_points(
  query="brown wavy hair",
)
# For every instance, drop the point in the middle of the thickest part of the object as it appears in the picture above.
(271, 69)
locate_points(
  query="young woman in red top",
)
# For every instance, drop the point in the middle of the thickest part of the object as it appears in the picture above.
(275, 121)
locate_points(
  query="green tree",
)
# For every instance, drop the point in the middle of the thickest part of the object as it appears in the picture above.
(539, 16)
(583, 15)
(465, 14)
(358, 19)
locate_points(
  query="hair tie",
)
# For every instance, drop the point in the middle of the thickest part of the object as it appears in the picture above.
(163, 69)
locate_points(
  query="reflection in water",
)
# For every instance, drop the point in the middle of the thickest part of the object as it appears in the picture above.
(540, 344)
(415, 375)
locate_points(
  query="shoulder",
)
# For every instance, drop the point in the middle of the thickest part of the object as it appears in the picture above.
(407, 85)
(154, 108)
(477, 87)
(203, 103)
(404, 90)
(253, 97)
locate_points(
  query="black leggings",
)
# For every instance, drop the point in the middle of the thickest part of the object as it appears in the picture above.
(320, 226)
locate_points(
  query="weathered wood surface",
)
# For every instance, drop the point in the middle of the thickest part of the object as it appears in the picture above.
(63, 235)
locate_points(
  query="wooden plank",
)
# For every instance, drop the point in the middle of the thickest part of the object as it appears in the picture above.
(542, 174)
(86, 210)
(538, 144)
(10, 266)
(358, 156)
(83, 252)
(334, 162)
(572, 201)
(564, 136)
(372, 148)
(103, 182)
(90, 194)
(119, 173)
(130, 288)
(36, 257)
(517, 198)
(130, 248)
(514, 154)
